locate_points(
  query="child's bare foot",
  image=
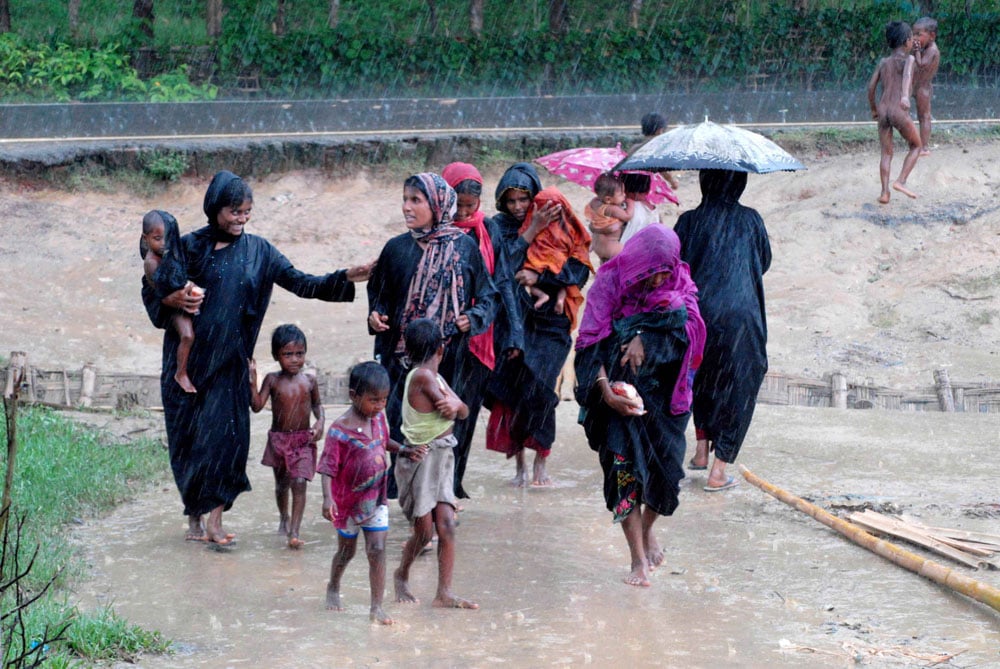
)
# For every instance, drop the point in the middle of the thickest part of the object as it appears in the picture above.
(379, 616)
(639, 575)
(903, 189)
(925, 152)
(295, 542)
(560, 306)
(283, 525)
(540, 477)
(403, 594)
(521, 476)
(884, 198)
(450, 601)
(333, 600)
(541, 297)
(184, 382)
(219, 537)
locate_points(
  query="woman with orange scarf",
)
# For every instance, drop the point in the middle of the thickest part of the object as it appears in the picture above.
(546, 247)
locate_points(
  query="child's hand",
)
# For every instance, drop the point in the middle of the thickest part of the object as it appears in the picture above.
(317, 431)
(905, 103)
(415, 453)
(449, 406)
(252, 364)
(329, 509)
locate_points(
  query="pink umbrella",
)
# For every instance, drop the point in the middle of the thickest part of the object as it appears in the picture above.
(583, 166)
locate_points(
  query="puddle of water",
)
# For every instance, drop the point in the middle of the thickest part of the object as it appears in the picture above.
(748, 581)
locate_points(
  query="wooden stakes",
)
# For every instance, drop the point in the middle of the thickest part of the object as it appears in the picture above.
(977, 590)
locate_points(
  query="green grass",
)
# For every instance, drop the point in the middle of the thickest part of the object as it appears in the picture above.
(64, 473)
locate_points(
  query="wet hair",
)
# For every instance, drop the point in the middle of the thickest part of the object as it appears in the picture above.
(284, 335)
(151, 220)
(653, 123)
(469, 187)
(423, 338)
(368, 377)
(607, 184)
(926, 23)
(637, 183)
(896, 33)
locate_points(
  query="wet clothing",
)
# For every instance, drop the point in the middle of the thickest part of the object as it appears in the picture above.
(390, 293)
(377, 522)
(521, 393)
(727, 247)
(357, 466)
(642, 217)
(171, 275)
(422, 428)
(641, 456)
(422, 485)
(292, 454)
(208, 432)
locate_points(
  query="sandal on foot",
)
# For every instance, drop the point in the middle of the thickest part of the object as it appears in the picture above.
(731, 482)
(692, 466)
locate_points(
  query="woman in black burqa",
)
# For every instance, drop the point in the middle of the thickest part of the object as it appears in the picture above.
(208, 432)
(726, 246)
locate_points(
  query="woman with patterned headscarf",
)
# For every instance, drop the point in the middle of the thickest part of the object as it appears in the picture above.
(432, 271)
(208, 432)
(521, 395)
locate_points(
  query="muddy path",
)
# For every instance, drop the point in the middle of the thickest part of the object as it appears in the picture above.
(747, 582)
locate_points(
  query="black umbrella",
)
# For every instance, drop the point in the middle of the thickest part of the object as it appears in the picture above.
(709, 146)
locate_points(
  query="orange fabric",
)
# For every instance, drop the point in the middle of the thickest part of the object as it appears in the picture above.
(561, 240)
(598, 219)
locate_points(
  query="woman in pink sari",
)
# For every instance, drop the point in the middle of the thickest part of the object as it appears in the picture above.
(641, 325)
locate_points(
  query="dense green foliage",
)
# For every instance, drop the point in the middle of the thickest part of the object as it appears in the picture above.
(64, 472)
(392, 49)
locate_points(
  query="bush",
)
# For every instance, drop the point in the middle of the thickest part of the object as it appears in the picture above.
(165, 165)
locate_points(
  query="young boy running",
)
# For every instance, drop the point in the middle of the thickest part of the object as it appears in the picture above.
(291, 447)
(892, 109)
(927, 58)
(426, 490)
(354, 466)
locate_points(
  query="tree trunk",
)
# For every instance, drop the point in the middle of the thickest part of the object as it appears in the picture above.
(476, 17)
(4, 16)
(558, 17)
(142, 11)
(213, 18)
(432, 17)
(279, 19)
(333, 18)
(74, 17)
(634, 10)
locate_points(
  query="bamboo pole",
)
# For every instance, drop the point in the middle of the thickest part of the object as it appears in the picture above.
(977, 590)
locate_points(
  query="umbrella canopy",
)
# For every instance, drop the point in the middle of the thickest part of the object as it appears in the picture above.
(709, 146)
(583, 166)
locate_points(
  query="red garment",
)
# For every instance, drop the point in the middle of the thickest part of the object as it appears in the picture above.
(454, 173)
(558, 242)
(357, 466)
(292, 453)
(499, 435)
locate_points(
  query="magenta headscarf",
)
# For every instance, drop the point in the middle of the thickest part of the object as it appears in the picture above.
(619, 291)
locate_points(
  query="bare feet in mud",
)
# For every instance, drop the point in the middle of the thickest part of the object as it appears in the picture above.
(925, 152)
(184, 382)
(521, 476)
(540, 477)
(403, 594)
(195, 531)
(639, 576)
(377, 615)
(295, 543)
(283, 525)
(884, 198)
(333, 599)
(901, 187)
(654, 553)
(449, 601)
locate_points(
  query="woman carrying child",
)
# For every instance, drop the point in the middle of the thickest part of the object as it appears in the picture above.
(521, 395)
(208, 432)
(641, 326)
(433, 271)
